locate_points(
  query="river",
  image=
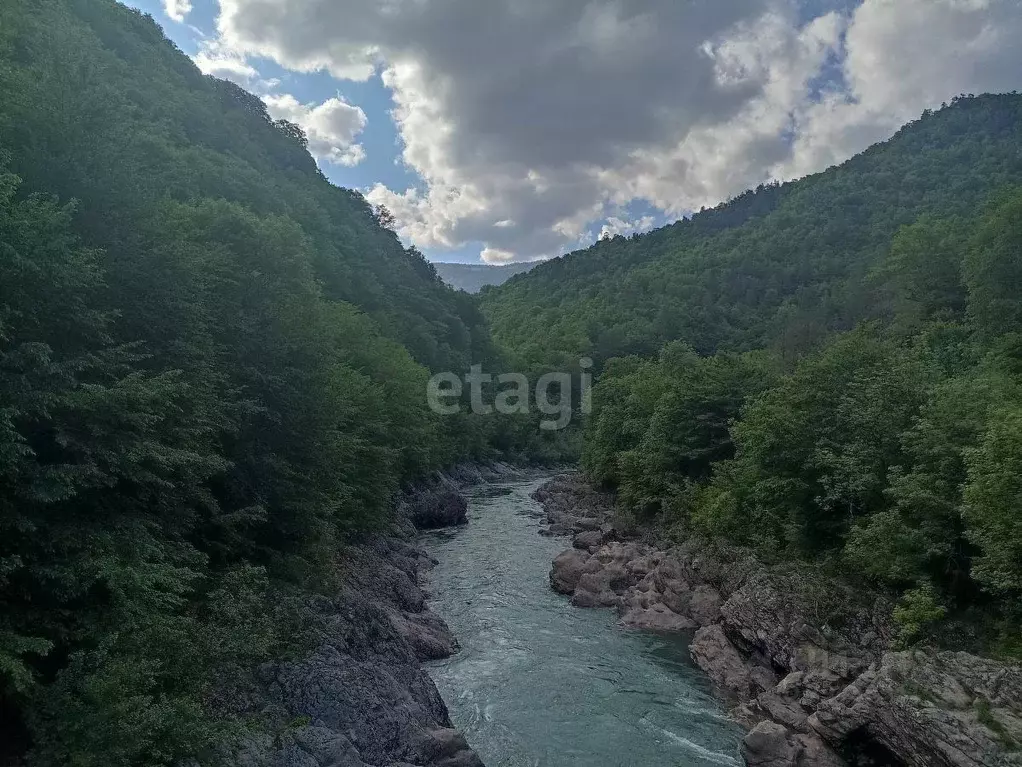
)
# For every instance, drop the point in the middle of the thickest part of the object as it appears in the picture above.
(539, 682)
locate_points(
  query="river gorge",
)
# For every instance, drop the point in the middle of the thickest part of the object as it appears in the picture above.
(540, 682)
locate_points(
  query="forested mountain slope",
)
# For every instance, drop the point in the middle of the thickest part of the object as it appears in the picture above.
(828, 372)
(98, 106)
(780, 265)
(212, 367)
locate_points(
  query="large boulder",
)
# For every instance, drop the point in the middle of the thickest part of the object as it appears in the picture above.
(588, 540)
(446, 747)
(426, 633)
(769, 745)
(567, 569)
(437, 507)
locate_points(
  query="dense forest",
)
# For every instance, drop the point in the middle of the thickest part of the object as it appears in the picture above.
(827, 371)
(212, 373)
(213, 365)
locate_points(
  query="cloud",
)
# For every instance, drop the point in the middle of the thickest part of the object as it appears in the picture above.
(177, 10)
(332, 127)
(615, 226)
(496, 256)
(226, 65)
(900, 59)
(528, 120)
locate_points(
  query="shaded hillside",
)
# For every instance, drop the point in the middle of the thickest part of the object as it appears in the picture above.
(101, 108)
(780, 265)
(474, 277)
(212, 366)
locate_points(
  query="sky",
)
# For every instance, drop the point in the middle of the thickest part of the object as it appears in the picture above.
(515, 130)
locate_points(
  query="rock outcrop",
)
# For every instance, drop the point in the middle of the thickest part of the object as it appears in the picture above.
(437, 507)
(931, 709)
(769, 744)
(437, 502)
(812, 693)
(573, 507)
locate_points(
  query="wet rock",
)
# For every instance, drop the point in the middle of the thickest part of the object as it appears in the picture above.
(426, 633)
(365, 682)
(438, 502)
(447, 748)
(365, 698)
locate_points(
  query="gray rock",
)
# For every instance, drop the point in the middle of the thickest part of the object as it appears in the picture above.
(783, 709)
(567, 569)
(439, 507)
(657, 618)
(362, 691)
(770, 744)
(572, 506)
(726, 666)
(931, 710)
(317, 747)
(590, 540)
(426, 633)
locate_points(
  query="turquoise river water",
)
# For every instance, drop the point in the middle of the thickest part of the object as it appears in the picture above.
(539, 682)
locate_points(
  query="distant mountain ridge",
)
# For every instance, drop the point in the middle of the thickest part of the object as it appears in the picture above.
(474, 277)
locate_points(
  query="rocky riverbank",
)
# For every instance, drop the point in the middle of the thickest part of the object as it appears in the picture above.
(808, 667)
(361, 697)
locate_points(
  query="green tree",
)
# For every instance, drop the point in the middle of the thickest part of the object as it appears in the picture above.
(992, 498)
(993, 269)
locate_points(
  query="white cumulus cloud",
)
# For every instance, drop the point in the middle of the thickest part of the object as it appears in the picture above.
(225, 65)
(615, 226)
(899, 59)
(177, 10)
(331, 127)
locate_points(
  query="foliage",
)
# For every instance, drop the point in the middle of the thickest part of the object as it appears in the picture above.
(917, 613)
(212, 370)
(781, 266)
(661, 426)
(993, 497)
(826, 370)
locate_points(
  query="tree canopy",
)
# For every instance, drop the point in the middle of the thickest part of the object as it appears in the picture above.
(213, 367)
(826, 370)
